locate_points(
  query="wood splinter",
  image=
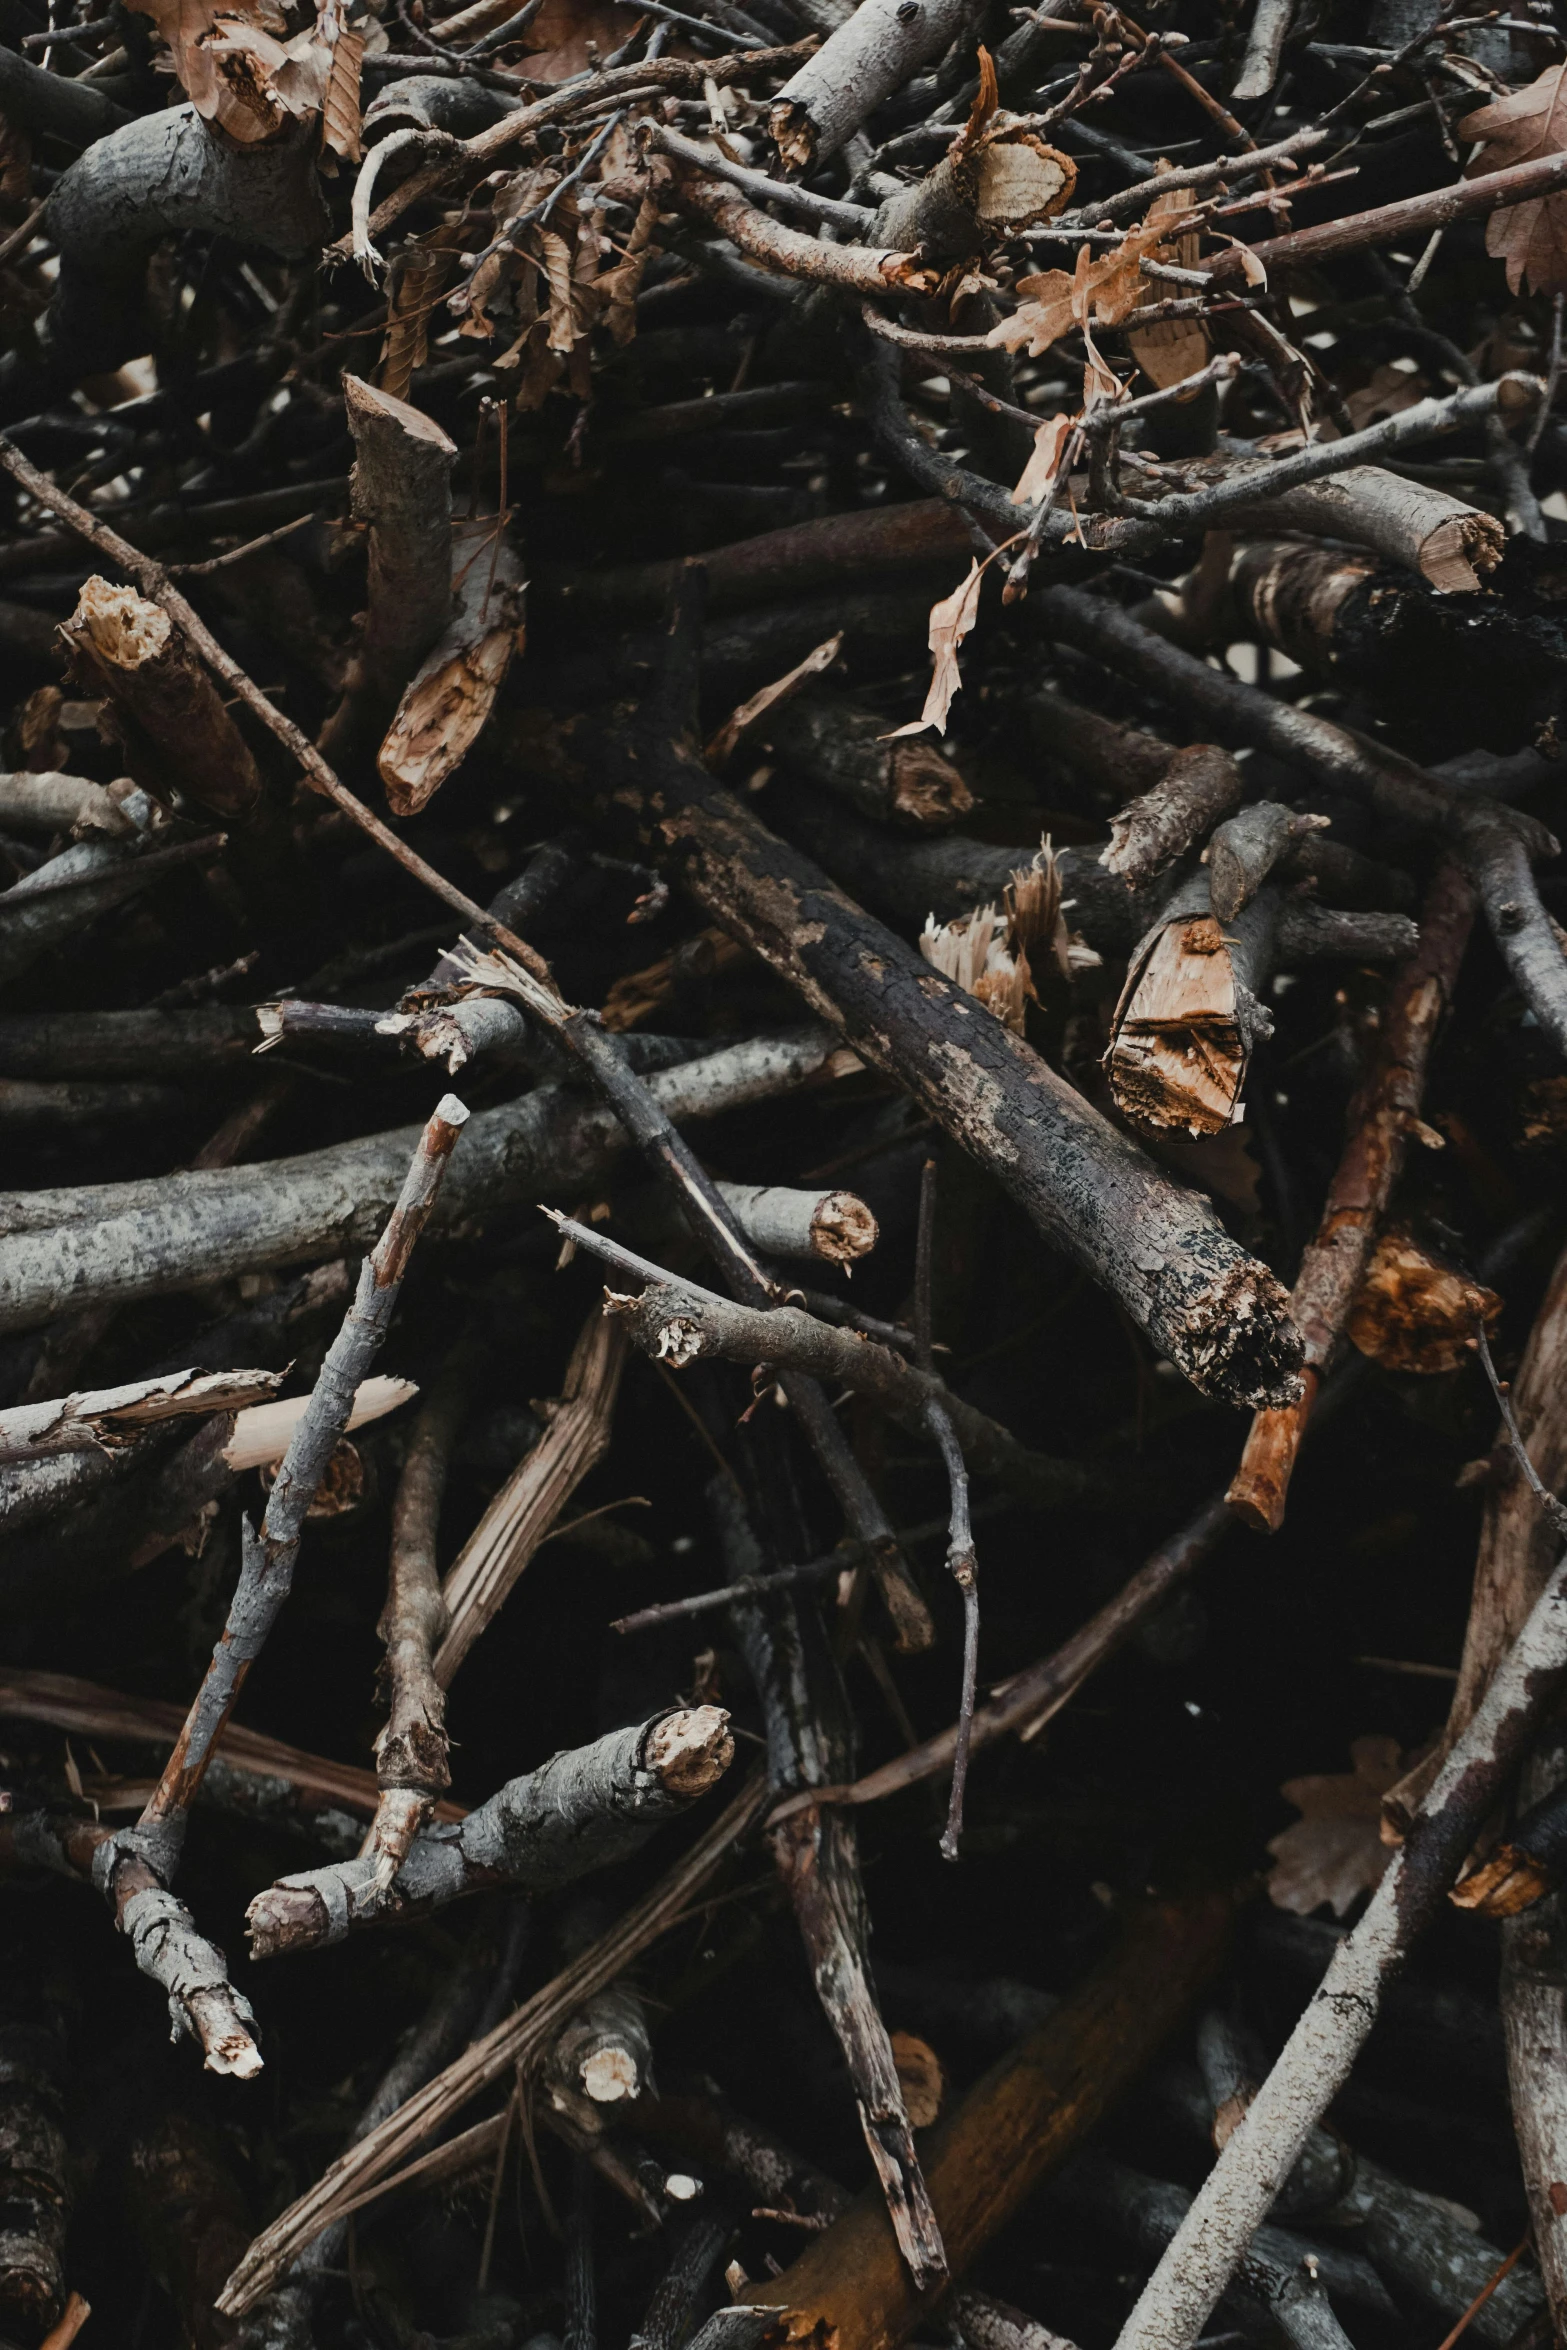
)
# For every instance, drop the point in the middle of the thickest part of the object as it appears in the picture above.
(1191, 1013)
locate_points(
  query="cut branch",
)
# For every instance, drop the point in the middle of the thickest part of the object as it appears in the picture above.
(578, 1812)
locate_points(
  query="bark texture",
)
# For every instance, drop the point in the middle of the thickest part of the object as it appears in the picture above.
(578, 1812)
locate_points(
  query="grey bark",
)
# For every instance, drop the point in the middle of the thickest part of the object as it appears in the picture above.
(118, 1241)
(162, 176)
(1412, 2239)
(1216, 1313)
(873, 53)
(810, 1744)
(1196, 787)
(36, 2185)
(830, 1226)
(1534, 2019)
(56, 901)
(26, 1104)
(584, 1809)
(139, 1044)
(908, 879)
(1496, 845)
(840, 744)
(1274, 2287)
(675, 1321)
(1264, 47)
(1245, 849)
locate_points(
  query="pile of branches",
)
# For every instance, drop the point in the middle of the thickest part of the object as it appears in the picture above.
(778, 874)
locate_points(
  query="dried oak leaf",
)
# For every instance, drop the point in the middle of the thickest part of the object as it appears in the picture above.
(1098, 293)
(561, 36)
(1334, 1851)
(1045, 460)
(1531, 238)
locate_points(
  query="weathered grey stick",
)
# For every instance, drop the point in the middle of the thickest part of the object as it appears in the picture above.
(133, 1867)
(859, 65)
(675, 1321)
(715, 1225)
(1216, 1313)
(105, 1242)
(1238, 2193)
(105, 1419)
(57, 900)
(581, 1810)
(411, 1764)
(1278, 2285)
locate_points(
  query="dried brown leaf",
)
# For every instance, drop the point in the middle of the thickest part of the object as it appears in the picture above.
(950, 622)
(1334, 1852)
(750, 714)
(1530, 238)
(1045, 461)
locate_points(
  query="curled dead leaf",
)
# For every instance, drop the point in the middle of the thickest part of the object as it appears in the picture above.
(1046, 458)
(1531, 238)
(950, 622)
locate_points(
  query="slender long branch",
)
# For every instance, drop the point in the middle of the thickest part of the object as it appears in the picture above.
(676, 1321)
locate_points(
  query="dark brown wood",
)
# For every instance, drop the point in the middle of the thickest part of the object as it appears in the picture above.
(1014, 2126)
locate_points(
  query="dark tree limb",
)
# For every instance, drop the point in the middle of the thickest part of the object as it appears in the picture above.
(1216, 1313)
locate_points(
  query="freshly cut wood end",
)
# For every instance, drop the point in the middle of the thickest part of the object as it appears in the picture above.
(225, 2044)
(610, 2074)
(122, 627)
(689, 1752)
(1459, 549)
(1512, 1880)
(441, 716)
(1020, 180)
(366, 403)
(283, 1918)
(843, 1228)
(927, 789)
(261, 1434)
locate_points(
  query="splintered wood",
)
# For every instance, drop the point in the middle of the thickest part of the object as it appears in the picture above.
(925, 644)
(1177, 1061)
